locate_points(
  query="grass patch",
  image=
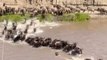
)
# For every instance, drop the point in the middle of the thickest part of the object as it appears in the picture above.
(2, 18)
(81, 17)
(13, 17)
(76, 17)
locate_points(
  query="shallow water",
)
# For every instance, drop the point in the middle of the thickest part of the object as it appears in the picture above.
(91, 36)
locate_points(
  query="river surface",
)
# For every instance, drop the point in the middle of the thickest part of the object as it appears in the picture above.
(91, 36)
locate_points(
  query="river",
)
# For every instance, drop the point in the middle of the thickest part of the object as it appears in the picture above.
(91, 36)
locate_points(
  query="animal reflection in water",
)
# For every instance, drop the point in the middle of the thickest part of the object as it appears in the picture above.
(17, 35)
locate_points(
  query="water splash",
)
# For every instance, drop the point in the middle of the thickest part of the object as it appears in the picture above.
(20, 26)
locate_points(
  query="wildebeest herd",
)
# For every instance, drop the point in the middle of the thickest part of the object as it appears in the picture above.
(15, 35)
(54, 9)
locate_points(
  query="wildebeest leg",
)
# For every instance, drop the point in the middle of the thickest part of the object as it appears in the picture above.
(34, 30)
(56, 53)
(30, 2)
(7, 36)
(3, 32)
(14, 26)
(26, 31)
(5, 28)
(23, 37)
(80, 51)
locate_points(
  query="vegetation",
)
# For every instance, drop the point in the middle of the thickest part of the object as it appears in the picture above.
(77, 17)
(81, 17)
(13, 17)
(66, 17)
(45, 17)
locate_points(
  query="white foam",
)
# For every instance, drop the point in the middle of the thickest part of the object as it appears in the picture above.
(22, 27)
(51, 24)
(82, 58)
(75, 58)
(11, 42)
(45, 23)
(39, 31)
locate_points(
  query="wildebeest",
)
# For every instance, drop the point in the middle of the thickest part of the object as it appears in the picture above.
(26, 29)
(17, 37)
(76, 51)
(47, 42)
(69, 47)
(102, 10)
(58, 44)
(4, 30)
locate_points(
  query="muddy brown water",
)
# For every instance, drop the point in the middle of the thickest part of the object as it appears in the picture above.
(91, 36)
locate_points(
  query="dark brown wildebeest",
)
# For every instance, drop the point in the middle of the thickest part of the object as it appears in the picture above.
(70, 47)
(47, 42)
(58, 44)
(76, 51)
(102, 10)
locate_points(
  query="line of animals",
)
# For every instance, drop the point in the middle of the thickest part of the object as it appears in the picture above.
(15, 35)
(55, 9)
